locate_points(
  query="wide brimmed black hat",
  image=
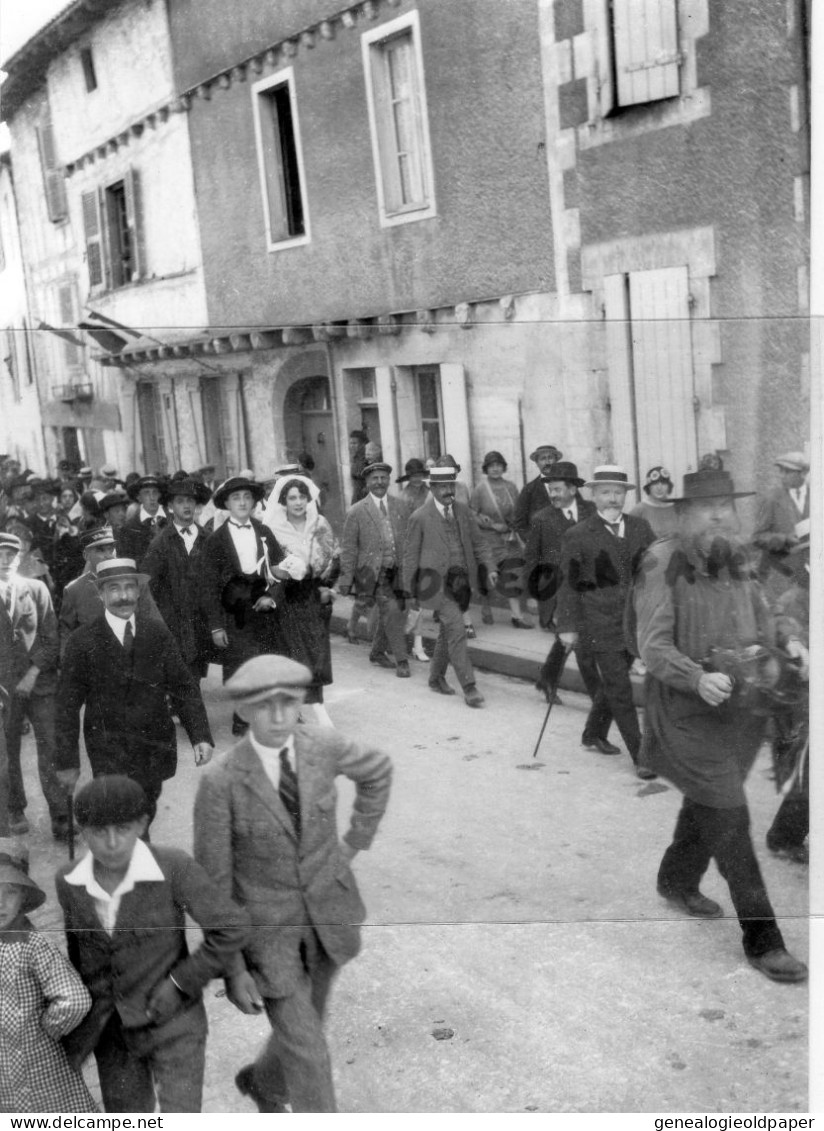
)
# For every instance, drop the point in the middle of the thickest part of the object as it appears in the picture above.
(191, 488)
(412, 467)
(564, 470)
(133, 489)
(709, 484)
(493, 457)
(113, 499)
(237, 483)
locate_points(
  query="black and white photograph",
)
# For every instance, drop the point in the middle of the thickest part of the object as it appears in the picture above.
(410, 557)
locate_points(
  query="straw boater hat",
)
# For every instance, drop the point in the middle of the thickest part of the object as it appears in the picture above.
(710, 484)
(267, 675)
(442, 475)
(793, 461)
(610, 474)
(237, 483)
(116, 569)
(564, 469)
(10, 542)
(14, 869)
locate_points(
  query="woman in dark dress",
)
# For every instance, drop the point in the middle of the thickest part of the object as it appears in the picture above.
(313, 564)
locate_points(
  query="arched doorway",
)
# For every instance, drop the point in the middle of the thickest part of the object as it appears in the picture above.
(310, 431)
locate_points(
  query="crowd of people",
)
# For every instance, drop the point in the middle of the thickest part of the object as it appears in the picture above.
(115, 596)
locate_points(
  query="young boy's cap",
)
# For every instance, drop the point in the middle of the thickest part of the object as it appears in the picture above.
(14, 869)
(111, 799)
(267, 675)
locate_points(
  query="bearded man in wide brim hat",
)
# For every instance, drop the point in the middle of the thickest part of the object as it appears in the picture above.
(705, 634)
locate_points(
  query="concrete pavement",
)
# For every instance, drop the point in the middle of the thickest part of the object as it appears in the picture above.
(517, 957)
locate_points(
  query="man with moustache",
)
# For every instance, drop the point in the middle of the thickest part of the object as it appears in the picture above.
(371, 562)
(705, 632)
(599, 558)
(126, 670)
(173, 565)
(443, 547)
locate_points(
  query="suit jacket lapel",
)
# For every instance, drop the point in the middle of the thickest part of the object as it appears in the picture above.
(229, 545)
(258, 782)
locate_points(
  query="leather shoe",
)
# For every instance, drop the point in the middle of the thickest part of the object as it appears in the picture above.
(440, 684)
(473, 697)
(18, 825)
(518, 623)
(402, 669)
(644, 774)
(245, 1084)
(779, 965)
(543, 686)
(601, 745)
(797, 853)
(382, 660)
(470, 632)
(693, 902)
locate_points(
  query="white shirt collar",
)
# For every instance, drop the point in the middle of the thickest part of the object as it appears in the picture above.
(270, 757)
(118, 624)
(143, 868)
(144, 514)
(440, 507)
(377, 502)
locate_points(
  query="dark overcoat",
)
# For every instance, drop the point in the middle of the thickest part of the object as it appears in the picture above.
(174, 579)
(134, 537)
(542, 557)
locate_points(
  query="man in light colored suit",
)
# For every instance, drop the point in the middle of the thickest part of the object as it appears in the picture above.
(783, 515)
(265, 830)
(372, 549)
(443, 547)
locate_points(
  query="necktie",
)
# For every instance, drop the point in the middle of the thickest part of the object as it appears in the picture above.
(568, 516)
(447, 512)
(128, 639)
(383, 507)
(288, 790)
(7, 597)
(615, 527)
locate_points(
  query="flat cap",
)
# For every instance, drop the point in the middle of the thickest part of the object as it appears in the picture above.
(793, 461)
(267, 675)
(378, 465)
(110, 799)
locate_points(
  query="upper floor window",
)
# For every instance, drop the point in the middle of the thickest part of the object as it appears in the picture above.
(280, 159)
(430, 411)
(642, 40)
(398, 120)
(87, 63)
(113, 233)
(67, 317)
(54, 182)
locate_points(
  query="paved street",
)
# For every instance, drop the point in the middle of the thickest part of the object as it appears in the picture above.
(517, 956)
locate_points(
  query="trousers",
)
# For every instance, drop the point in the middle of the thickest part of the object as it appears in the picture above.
(703, 834)
(39, 709)
(450, 647)
(168, 1059)
(613, 700)
(391, 627)
(294, 1066)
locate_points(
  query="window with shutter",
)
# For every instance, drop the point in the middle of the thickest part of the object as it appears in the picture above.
(398, 120)
(72, 356)
(645, 50)
(92, 228)
(280, 159)
(89, 74)
(131, 192)
(54, 184)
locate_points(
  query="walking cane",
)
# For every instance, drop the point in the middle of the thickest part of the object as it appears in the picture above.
(550, 694)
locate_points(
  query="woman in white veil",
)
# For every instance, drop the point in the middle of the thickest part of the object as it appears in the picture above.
(312, 563)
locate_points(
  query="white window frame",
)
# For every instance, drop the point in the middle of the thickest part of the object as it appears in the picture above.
(285, 77)
(369, 41)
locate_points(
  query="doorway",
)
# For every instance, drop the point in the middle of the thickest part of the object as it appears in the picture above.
(310, 432)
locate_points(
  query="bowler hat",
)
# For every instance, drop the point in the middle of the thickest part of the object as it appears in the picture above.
(793, 461)
(237, 483)
(493, 457)
(377, 465)
(14, 869)
(564, 470)
(710, 484)
(610, 474)
(412, 467)
(546, 448)
(113, 499)
(117, 569)
(110, 799)
(144, 481)
(190, 488)
(97, 536)
(267, 675)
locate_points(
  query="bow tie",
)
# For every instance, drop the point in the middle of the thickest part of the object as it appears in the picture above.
(241, 525)
(185, 530)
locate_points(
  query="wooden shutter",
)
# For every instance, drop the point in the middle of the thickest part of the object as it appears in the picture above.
(273, 171)
(398, 122)
(53, 181)
(92, 208)
(663, 369)
(645, 39)
(456, 418)
(131, 188)
(65, 298)
(619, 354)
(168, 423)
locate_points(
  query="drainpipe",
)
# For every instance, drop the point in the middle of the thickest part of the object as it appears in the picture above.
(333, 393)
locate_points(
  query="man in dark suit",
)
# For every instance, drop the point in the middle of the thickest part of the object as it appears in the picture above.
(240, 581)
(534, 496)
(173, 565)
(43, 521)
(372, 548)
(443, 547)
(778, 517)
(128, 673)
(82, 601)
(30, 648)
(599, 558)
(135, 535)
(265, 830)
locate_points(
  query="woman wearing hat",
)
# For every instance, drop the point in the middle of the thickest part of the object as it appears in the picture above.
(656, 508)
(41, 1000)
(415, 490)
(312, 563)
(493, 504)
